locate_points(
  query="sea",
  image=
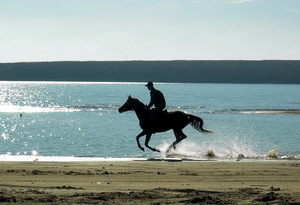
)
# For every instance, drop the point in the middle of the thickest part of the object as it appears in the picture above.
(79, 121)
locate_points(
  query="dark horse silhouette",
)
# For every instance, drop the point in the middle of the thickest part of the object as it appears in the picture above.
(165, 121)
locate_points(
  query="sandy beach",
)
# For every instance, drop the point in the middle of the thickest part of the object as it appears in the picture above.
(150, 182)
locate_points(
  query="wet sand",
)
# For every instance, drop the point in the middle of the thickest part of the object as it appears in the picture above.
(150, 182)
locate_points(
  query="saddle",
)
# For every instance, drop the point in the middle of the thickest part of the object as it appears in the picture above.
(155, 114)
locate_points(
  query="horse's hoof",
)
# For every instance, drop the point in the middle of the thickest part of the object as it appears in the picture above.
(142, 148)
(155, 150)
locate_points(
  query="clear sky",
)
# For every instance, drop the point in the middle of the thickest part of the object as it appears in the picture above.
(82, 30)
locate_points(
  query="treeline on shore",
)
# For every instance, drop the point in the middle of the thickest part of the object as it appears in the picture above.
(230, 71)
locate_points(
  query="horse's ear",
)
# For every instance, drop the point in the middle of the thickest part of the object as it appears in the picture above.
(129, 97)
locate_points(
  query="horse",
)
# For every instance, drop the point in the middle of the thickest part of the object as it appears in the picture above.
(164, 121)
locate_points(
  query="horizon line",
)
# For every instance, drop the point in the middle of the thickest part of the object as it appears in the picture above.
(63, 61)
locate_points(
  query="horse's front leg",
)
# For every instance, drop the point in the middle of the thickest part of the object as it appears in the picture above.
(138, 140)
(148, 137)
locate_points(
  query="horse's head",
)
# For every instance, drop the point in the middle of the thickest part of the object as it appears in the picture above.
(130, 104)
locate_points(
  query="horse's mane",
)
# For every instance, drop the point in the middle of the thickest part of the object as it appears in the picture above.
(138, 101)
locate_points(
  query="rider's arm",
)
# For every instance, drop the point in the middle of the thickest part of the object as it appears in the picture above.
(151, 103)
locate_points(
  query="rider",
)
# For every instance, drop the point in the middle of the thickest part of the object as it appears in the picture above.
(157, 99)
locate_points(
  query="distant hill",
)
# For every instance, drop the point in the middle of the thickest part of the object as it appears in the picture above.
(268, 71)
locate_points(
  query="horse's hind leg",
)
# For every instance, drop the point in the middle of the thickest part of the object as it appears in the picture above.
(179, 137)
(178, 134)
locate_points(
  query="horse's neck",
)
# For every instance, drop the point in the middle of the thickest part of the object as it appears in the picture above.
(140, 111)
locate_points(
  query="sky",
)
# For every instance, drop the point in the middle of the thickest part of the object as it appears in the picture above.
(110, 30)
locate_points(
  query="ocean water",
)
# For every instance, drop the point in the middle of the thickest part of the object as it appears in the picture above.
(80, 121)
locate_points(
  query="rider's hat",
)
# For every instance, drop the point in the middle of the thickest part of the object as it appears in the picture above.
(149, 84)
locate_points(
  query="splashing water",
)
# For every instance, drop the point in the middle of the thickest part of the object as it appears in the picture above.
(189, 149)
(210, 154)
(273, 153)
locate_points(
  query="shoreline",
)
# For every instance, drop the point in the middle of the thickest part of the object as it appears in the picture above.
(150, 182)
(271, 156)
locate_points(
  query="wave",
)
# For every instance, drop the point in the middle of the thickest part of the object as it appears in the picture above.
(93, 107)
(204, 110)
(30, 109)
(33, 158)
(9, 108)
(187, 151)
(209, 156)
(255, 111)
(185, 107)
(76, 82)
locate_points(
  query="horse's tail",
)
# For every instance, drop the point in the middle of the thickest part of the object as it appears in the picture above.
(197, 123)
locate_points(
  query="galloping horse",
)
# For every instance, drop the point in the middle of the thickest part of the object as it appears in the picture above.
(165, 121)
